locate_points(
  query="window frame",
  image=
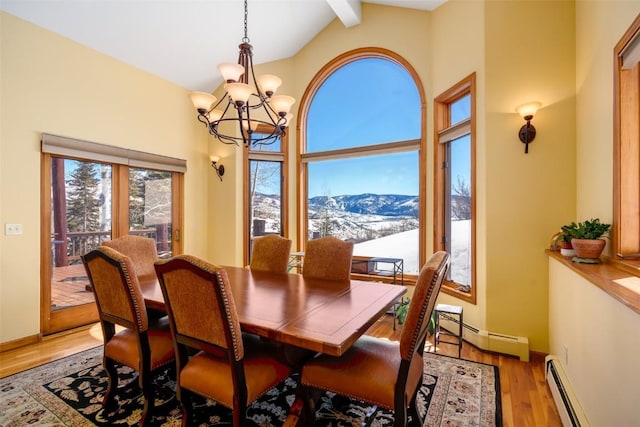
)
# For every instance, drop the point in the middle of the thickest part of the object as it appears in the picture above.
(120, 160)
(270, 156)
(302, 157)
(625, 235)
(442, 125)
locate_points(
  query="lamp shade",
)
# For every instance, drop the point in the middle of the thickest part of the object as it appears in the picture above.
(202, 100)
(529, 109)
(268, 83)
(239, 92)
(214, 115)
(231, 72)
(281, 103)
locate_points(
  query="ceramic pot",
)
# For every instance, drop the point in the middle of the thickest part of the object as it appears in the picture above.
(588, 248)
(567, 250)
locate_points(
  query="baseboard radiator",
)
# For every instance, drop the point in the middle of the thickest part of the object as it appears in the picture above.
(490, 341)
(569, 408)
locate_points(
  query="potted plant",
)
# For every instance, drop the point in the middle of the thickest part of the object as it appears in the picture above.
(563, 239)
(587, 239)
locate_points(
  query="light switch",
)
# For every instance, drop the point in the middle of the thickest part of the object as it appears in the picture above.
(12, 229)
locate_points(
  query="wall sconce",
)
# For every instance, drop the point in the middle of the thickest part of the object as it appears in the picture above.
(527, 132)
(218, 168)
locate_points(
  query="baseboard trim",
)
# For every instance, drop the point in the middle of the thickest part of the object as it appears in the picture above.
(490, 341)
(21, 342)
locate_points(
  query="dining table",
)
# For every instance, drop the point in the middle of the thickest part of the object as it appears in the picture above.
(325, 316)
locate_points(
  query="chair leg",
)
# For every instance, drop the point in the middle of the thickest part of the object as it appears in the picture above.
(309, 396)
(186, 403)
(148, 391)
(108, 402)
(416, 420)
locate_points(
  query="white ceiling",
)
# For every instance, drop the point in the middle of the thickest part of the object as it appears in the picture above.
(183, 41)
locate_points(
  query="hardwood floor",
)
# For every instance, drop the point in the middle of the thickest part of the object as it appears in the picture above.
(526, 399)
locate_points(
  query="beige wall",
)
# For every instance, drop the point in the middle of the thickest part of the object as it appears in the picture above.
(600, 334)
(529, 196)
(50, 84)
(520, 51)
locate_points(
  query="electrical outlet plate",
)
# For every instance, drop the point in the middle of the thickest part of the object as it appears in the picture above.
(12, 229)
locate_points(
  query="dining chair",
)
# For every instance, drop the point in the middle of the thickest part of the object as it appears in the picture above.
(213, 358)
(327, 258)
(270, 253)
(384, 373)
(141, 250)
(143, 344)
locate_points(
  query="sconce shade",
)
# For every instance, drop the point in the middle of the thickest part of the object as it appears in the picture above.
(527, 132)
(529, 109)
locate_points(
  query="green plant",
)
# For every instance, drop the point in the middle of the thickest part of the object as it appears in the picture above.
(589, 229)
(403, 309)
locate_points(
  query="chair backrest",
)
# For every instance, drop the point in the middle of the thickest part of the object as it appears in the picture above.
(414, 331)
(327, 258)
(200, 305)
(270, 253)
(116, 289)
(141, 250)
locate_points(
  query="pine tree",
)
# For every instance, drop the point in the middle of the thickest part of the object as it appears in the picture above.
(83, 203)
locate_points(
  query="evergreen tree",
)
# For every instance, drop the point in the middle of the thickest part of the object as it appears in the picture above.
(83, 203)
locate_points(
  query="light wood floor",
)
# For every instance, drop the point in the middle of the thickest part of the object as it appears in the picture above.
(526, 399)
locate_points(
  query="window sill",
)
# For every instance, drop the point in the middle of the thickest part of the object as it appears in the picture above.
(605, 275)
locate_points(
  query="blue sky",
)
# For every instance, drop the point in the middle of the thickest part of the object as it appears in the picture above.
(369, 101)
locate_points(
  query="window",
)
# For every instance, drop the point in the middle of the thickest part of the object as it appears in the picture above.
(455, 182)
(92, 193)
(265, 193)
(361, 145)
(626, 209)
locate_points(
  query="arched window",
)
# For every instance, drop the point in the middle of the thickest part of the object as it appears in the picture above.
(361, 141)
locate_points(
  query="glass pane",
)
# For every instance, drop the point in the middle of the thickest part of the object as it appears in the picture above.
(265, 199)
(265, 195)
(461, 109)
(150, 207)
(275, 147)
(365, 102)
(459, 192)
(81, 220)
(372, 201)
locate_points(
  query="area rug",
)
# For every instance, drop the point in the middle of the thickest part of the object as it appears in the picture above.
(68, 392)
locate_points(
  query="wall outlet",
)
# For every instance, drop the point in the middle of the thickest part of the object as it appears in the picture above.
(12, 229)
(565, 355)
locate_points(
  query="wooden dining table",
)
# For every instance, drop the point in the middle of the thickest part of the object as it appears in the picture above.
(320, 315)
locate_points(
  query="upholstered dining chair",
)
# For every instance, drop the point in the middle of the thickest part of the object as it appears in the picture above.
(384, 373)
(144, 345)
(327, 258)
(232, 368)
(141, 250)
(270, 253)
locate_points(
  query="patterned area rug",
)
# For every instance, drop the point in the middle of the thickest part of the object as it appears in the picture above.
(68, 392)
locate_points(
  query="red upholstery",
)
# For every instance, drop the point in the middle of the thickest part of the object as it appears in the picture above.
(379, 371)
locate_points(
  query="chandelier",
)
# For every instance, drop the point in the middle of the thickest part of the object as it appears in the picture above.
(248, 102)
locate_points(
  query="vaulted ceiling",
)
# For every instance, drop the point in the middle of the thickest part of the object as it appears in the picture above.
(183, 41)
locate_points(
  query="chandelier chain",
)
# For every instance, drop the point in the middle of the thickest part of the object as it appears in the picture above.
(245, 39)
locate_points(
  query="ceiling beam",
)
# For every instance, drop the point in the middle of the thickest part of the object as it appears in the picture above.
(348, 11)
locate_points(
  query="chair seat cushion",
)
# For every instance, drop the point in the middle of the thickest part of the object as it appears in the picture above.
(123, 347)
(368, 371)
(211, 377)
